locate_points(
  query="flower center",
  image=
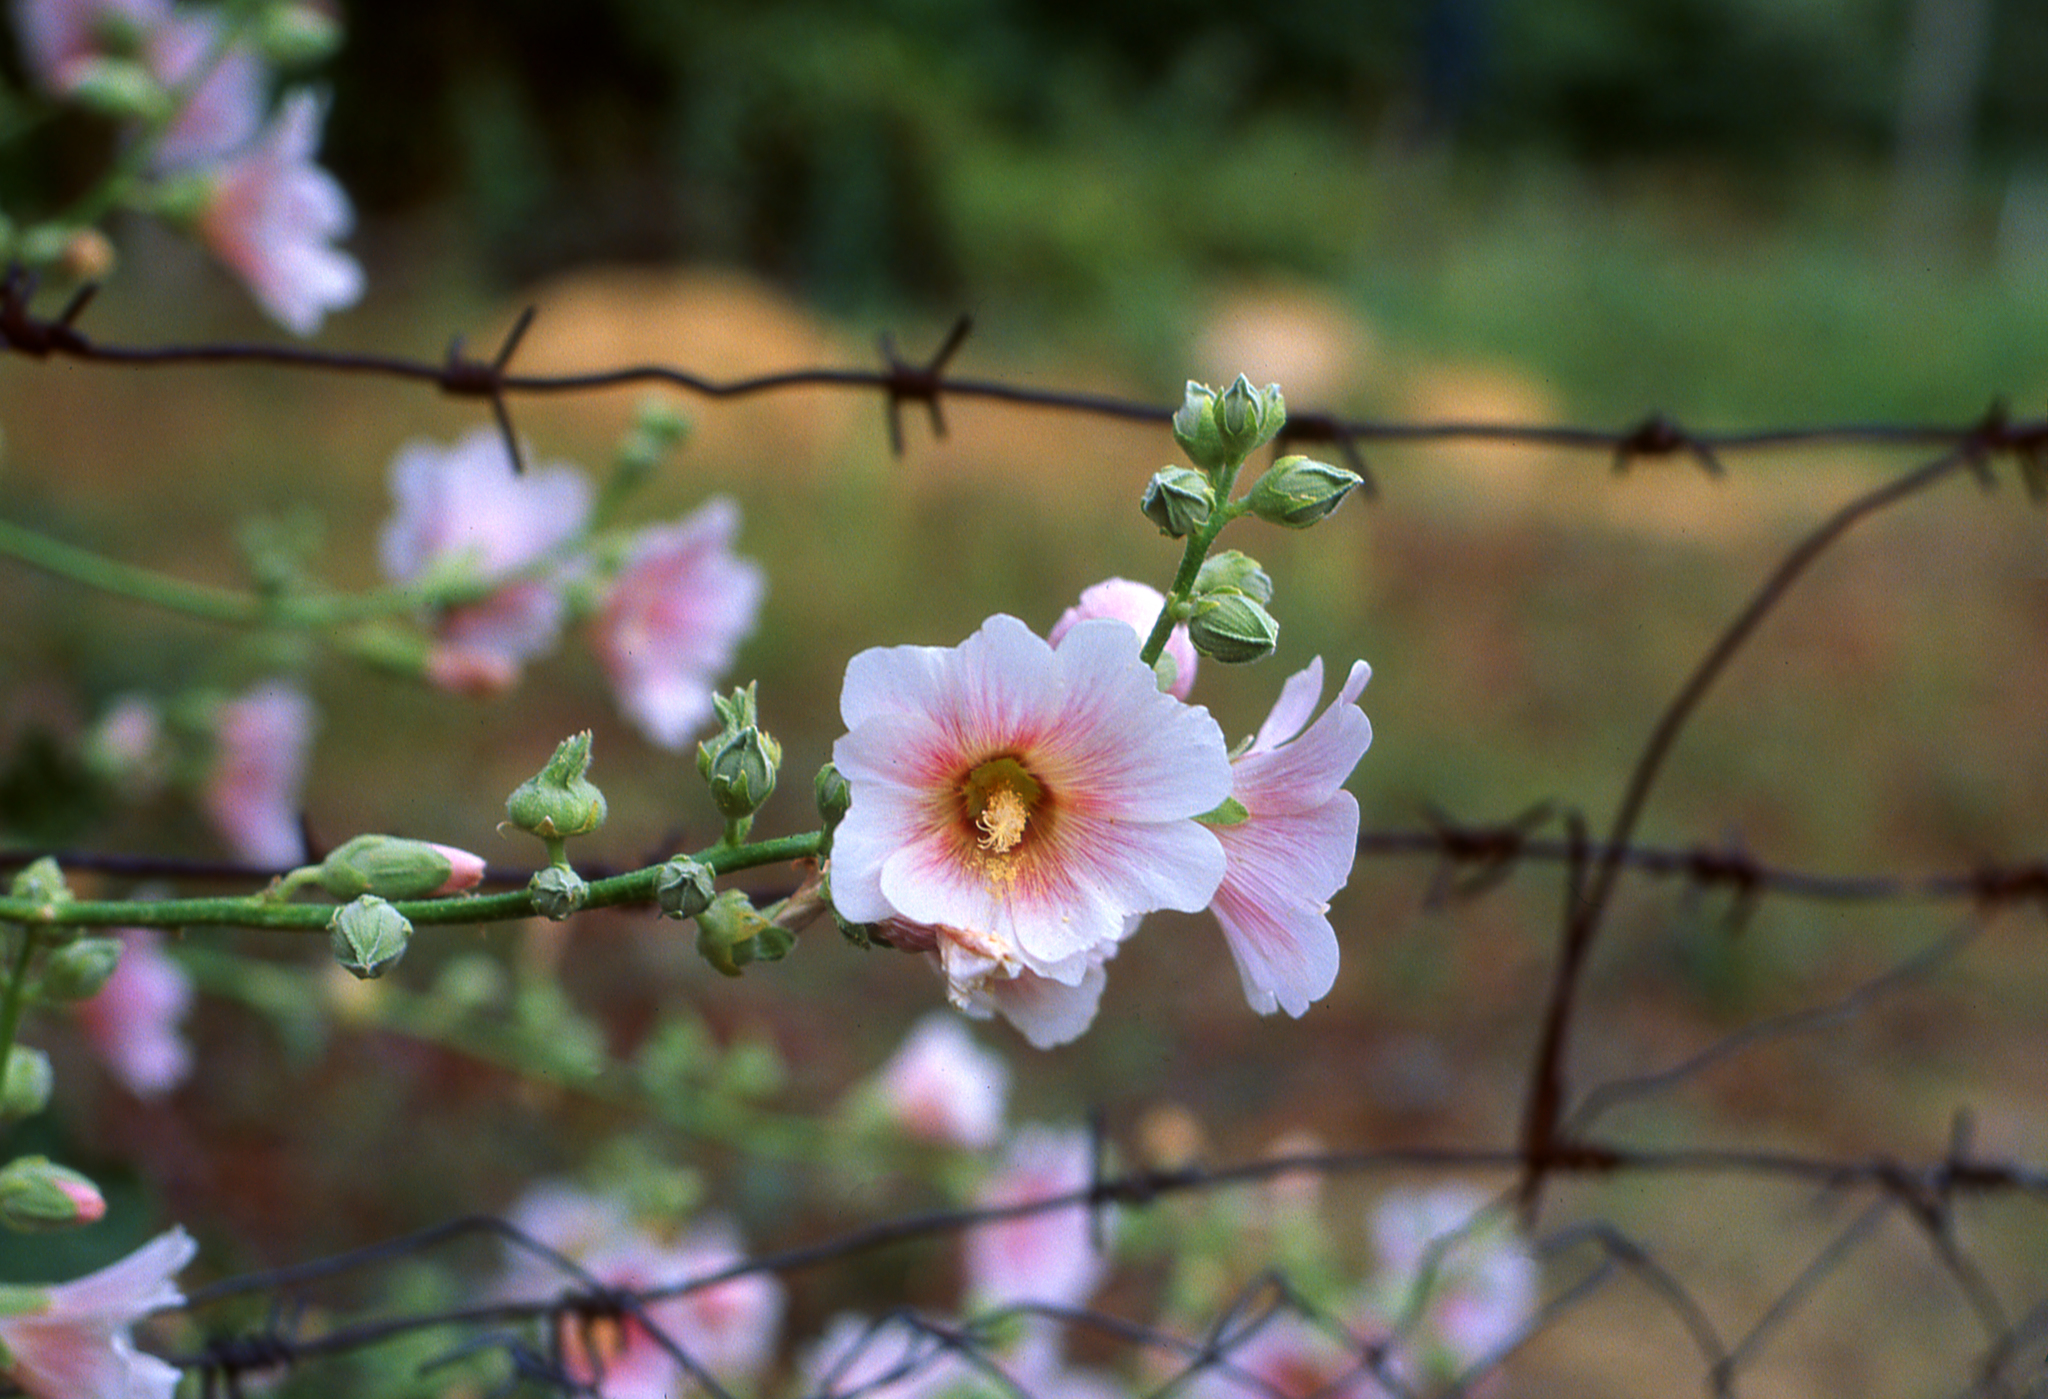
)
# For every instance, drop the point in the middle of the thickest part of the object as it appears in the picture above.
(999, 798)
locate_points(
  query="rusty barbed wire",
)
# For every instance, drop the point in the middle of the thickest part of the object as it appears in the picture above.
(1555, 1138)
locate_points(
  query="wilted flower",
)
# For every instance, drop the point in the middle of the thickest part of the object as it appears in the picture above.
(941, 1087)
(729, 1328)
(72, 1341)
(1295, 848)
(1020, 804)
(134, 1022)
(272, 215)
(259, 765)
(463, 513)
(1137, 606)
(676, 614)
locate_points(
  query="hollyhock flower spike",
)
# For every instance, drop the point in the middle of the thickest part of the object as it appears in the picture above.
(274, 212)
(1295, 847)
(259, 765)
(463, 512)
(674, 617)
(1137, 606)
(133, 1023)
(941, 1087)
(1018, 804)
(72, 1341)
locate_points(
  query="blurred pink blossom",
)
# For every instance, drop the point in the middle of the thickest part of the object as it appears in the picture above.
(1286, 1356)
(58, 37)
(272, 215)
(259, 765)
(941, 1087)
(134, 1022)
(225, 112)
(730, 1329)
(1018, 805)
(1137, 606)
(463, 514)
(676, 614)
(1048, 1257)
(77, 1345)
(889, 1359)
(127, 748)
(1483, 1280)
(1296, 847)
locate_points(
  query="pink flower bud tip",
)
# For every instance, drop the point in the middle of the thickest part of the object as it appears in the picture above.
(465, 871)
(90, 1205)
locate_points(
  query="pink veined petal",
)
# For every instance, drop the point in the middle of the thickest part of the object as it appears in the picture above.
(1137, 606)
(1304, 773)
(1282, 943)
(1047, 1013)
(1291, 712)
(78, 1346)
(1109, 700)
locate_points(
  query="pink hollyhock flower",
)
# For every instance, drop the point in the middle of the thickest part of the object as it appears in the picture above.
(1482, 1279)
(675, 615)
(941, 1087)
(259, 766)
(272, 215)
(729, 1328)
(1017, 805)
(58, 37)
(1049, 1257)
(1285, 1356)
(1137, 606)
(225, 112)
(464, 514)
(72, 1341)
(1295, 848)
(133, 1023)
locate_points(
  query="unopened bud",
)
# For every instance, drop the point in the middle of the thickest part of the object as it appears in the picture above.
(835, 797)
(684, 888)
(1179, 501)
(1249, 418)
(368, 936)
(26, 1090)
(116, 87)
(79, 970)
(559, 801)
(1232, 570)
(557, 892)
(394, 868)
(742, 772)
(293, 35)
(42, 881)
(1194, 427)
(38, 1196)
(1229, 626)
(1296, 492)
(732, 932)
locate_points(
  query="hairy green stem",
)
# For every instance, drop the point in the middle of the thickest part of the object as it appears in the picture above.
(257, 911)
(1198, 546)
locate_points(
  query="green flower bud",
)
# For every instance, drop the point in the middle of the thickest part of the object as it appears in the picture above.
(394, 868)
(1249, 418)
(293, 36)
(117, 87)
(1232, 570)
(1230, 626)
(27, 1089)
(1296, 492)
(38, 1196)
(1179, 501)
(1195, 428)
(835, 799)
(684, 888)
(732, 932)
(559, 801)
(557, 892)
(43, 882)
(79, 971)
(368, 936)
(742, 768)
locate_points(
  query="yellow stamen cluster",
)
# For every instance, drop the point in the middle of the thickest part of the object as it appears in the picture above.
(1003, 819)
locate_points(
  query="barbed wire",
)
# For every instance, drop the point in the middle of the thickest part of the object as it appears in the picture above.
(1555, 1138)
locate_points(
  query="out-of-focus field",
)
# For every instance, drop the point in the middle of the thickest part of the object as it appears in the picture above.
(1526, 613)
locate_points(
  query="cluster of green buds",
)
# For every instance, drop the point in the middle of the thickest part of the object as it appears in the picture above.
(739, 762)
(1225, 608)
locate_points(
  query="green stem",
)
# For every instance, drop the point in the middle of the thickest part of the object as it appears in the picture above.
(256, 911)
(1197, 549)
(17, 994)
